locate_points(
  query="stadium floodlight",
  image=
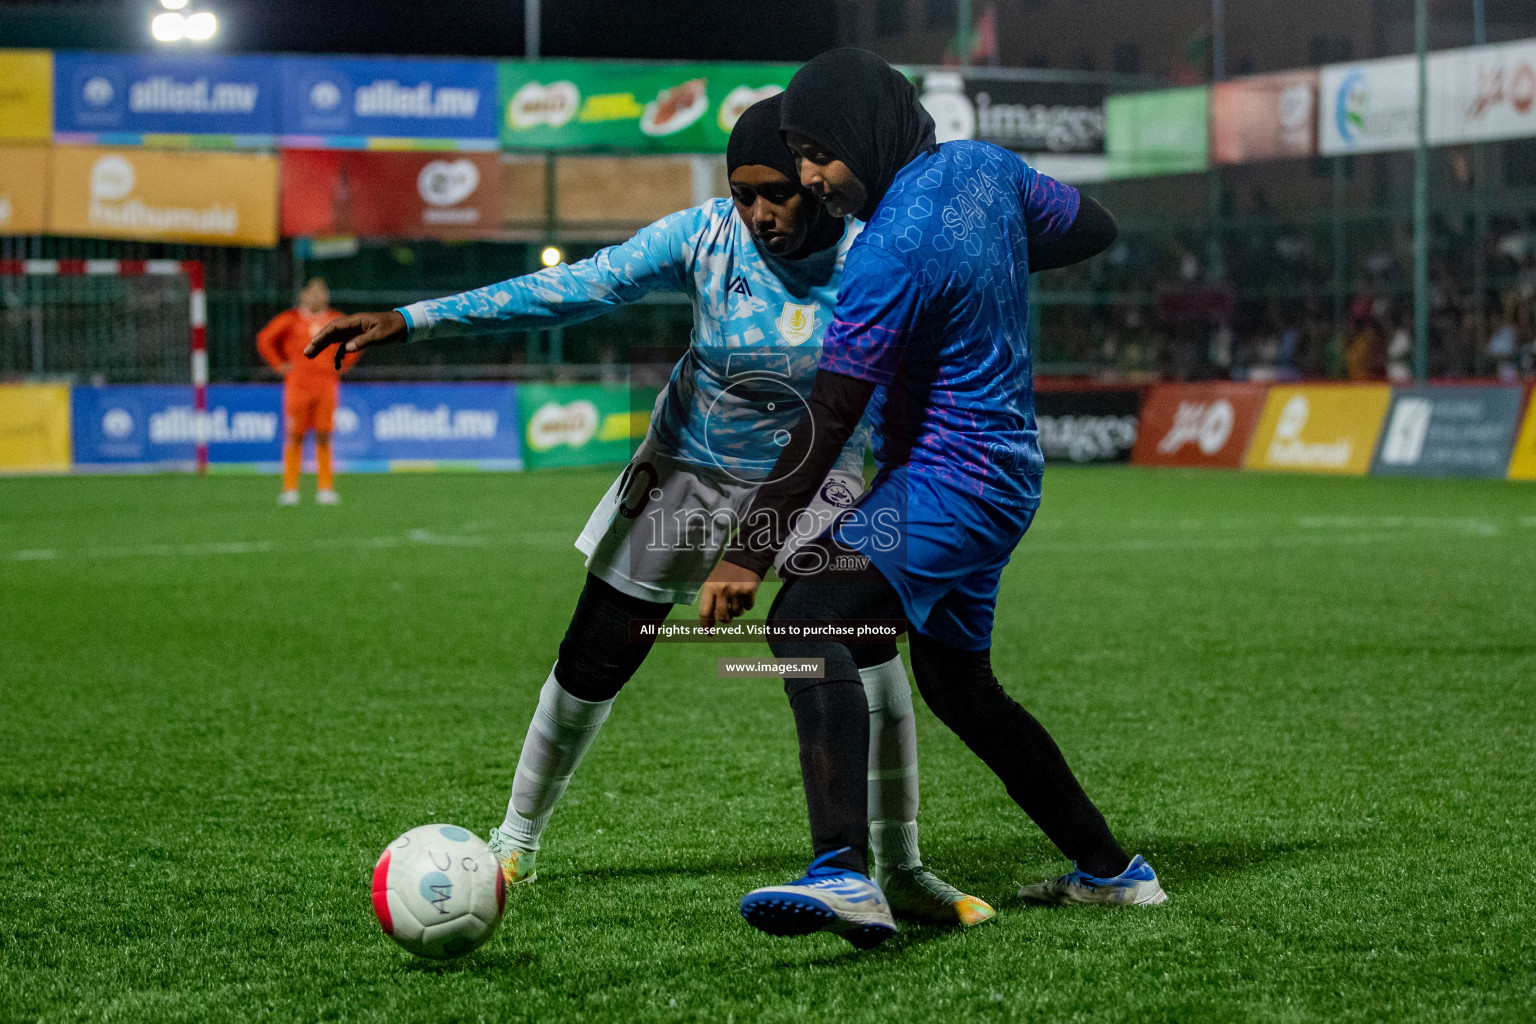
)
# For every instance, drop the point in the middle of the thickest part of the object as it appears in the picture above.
(173, 5)
(551, 256)
(202, 26)
(169, 27)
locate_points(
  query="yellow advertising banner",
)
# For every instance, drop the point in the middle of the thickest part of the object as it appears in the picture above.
(34, 428)
(26, 95)
(23, 189)
(1522, 465)
(217, 198)
(1319, 429)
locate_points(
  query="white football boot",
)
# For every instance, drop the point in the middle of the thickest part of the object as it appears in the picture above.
(517, 864)
(1136, 886)
(827, 898)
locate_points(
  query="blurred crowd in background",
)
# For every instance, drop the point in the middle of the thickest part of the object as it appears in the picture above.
(1171, 305)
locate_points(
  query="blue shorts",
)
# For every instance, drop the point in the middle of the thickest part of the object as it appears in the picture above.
(942, 550)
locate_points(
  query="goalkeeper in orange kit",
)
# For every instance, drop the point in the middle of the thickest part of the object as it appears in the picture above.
(310, 387)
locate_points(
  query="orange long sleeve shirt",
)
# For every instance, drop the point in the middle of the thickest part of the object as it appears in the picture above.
(283, 340)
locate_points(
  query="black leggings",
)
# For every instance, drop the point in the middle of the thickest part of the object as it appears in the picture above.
(598, 655)
(832, 721)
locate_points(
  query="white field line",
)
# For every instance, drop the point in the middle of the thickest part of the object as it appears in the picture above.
(1316, 530)
(258, 547)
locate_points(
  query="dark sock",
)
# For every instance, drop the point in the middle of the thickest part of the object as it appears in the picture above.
(832, 720)
(961, 690)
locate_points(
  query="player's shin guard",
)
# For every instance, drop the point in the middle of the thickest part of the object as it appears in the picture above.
(562, 730)
(892, 766)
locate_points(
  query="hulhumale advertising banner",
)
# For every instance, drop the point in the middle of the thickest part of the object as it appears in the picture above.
(23, 189)
(401, 195)
(1323, 428)
(362, 103)
(1265, 117)
(127, 428)
(1449, 431)
(644, 108)
(123, 100)
(214, 198)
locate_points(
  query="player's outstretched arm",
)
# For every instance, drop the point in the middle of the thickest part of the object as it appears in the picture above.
(657, 258)
(358, 331)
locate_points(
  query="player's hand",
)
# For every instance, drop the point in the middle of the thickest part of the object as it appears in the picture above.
(729, 591)
(358, 331)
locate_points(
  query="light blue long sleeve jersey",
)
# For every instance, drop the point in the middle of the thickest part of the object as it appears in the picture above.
(758, 322)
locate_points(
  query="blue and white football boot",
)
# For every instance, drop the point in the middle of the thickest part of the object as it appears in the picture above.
(1136, 886)
(828, 898)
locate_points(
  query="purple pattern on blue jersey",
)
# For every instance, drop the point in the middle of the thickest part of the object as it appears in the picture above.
(935, 308)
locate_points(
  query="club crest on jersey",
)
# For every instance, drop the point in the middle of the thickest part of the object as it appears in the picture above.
(797, 323)
(834, 492)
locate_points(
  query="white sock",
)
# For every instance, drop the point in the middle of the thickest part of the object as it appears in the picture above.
(892, 765)
(562, 729)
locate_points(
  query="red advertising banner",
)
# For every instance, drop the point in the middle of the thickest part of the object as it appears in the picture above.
(1265, 117)
(1198, 424)
(383, 192)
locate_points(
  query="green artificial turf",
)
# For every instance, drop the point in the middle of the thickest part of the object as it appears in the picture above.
(1311, 703)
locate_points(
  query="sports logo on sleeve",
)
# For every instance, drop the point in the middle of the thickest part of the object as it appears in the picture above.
(835, 492)
(797, 323)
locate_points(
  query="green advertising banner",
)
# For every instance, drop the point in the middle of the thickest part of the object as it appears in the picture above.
(581, 424)
(1162, 132)
(642, 108)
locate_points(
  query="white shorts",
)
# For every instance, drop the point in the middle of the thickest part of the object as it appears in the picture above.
(664, 523)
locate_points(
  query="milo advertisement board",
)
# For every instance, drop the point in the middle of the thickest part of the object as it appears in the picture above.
(581, 424)
(642, 108)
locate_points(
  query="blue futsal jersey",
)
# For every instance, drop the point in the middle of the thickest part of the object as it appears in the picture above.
(935, 309)
(758, 323)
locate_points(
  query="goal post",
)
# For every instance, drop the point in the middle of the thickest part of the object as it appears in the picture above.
(197, 316)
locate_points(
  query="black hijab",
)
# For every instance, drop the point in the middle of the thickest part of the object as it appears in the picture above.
(756, 140)
(866, 114)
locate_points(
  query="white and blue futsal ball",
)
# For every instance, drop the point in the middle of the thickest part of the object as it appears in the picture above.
(438, 891)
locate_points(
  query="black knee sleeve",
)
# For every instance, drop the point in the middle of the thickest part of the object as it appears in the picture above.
(807, 599)
(832, 596)
(597, 656)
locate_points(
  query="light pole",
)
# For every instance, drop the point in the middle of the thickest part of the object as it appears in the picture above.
(531, 29)
(1479, 209)
(1421, 200)
(1214, 256)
